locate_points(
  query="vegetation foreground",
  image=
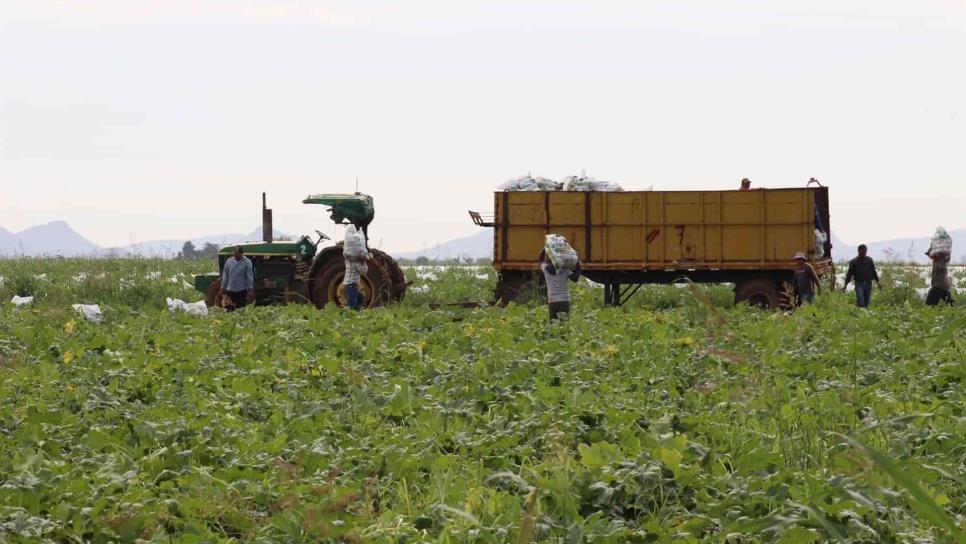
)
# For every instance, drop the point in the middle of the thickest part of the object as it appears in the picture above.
(679, 417)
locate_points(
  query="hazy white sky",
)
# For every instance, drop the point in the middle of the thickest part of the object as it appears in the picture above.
(143, 120)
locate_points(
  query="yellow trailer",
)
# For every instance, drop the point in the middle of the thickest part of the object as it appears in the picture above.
(626, 239)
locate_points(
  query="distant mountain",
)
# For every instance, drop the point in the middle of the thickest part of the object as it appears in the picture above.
(7, 241)
(54, 238)
(901, 249)
(58, 238)
(171, 248)
(471, 247)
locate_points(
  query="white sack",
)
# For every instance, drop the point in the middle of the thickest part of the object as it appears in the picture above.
(588, 183)
(193, 308)
(561, 255)
(355, 243)
(941, 242)
(91, 312)
(820, 239)
(528, 183)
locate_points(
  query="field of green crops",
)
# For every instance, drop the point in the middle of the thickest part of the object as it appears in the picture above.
(676, 418)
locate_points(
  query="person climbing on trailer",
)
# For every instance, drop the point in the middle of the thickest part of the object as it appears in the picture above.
(559, 263)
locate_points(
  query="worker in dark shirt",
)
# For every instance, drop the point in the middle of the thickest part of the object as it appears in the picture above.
(863, 270)
(806, 280)
(939, 280)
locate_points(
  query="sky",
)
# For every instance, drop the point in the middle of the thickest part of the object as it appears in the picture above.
(149, 120)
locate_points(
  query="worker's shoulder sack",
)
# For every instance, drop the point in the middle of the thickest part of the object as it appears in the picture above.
(820, 239)
(355, 243)
(941, 243)
(561, 255)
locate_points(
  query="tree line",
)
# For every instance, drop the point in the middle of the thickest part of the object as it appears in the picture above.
(190, 253)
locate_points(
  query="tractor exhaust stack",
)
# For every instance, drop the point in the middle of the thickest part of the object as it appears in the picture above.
(266, 222)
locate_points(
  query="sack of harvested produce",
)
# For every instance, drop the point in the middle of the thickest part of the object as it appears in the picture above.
(193, 308)
(587, 183)
(355, 243)
(561, 255)
(820, 239)
(577, 183)
(91, 312)
(606, 186)
(942, 243)
(528, 183)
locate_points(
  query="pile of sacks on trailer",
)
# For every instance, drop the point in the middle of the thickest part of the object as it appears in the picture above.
(570, 183)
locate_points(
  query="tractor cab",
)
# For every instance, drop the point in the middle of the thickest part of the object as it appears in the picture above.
(355, 209)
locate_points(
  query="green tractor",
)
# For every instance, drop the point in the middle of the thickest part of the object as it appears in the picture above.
(304, 270)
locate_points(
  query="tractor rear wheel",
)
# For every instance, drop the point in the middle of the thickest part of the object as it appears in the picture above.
(397, 280)
(327, 286)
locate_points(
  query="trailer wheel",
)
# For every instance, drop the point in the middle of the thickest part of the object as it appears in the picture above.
(759, 292)
(516, 286)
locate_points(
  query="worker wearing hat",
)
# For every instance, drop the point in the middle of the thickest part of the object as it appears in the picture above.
(237, 281)
(805, 279)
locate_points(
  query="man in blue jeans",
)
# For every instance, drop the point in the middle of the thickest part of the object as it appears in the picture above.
(355, 268)
(863, 270)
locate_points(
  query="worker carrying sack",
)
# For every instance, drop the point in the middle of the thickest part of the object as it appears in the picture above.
(561, 255)
(355, 244)
(942, 244)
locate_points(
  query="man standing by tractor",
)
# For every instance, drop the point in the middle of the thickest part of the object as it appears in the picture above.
(805, 279)
(356, 253)
(237, 280)
(863, 270)
(355, 268)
